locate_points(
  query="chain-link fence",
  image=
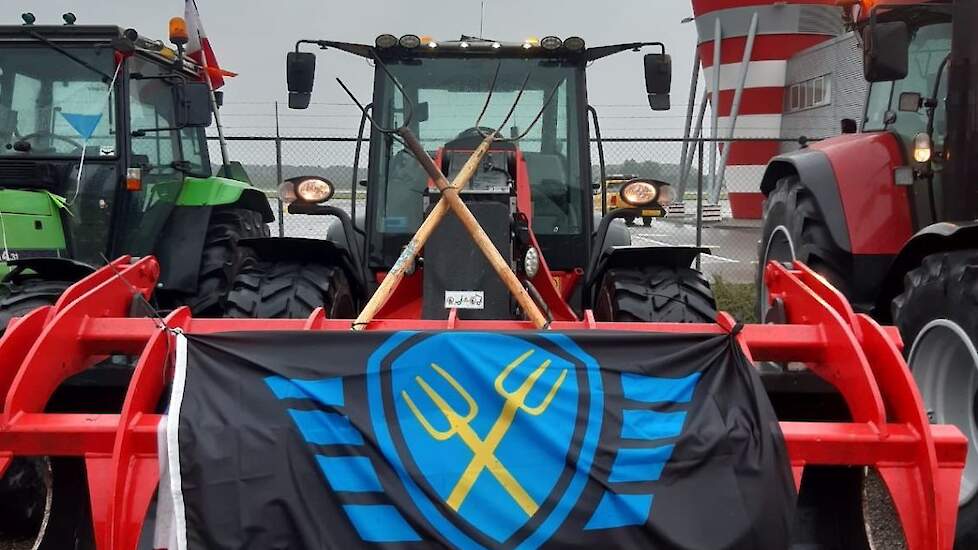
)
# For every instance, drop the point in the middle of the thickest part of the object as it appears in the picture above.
(701, 220)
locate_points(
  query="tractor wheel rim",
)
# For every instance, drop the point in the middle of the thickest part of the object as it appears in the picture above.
(944, 363)
(780, 248)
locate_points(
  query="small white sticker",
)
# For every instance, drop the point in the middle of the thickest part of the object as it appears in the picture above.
(464, 299)
(106, 151)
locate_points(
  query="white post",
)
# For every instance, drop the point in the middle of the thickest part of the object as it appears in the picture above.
(735, 108)
(715, 103)
(688, 167)
(689, 122)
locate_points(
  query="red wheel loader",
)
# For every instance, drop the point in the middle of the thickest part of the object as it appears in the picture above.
(469, 366)
(887, 214)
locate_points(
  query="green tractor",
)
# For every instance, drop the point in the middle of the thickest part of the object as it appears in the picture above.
(103, 152)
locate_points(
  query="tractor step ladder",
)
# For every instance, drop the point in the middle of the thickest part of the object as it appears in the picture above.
(921, 464)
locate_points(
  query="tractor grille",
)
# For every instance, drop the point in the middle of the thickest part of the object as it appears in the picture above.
(27, 174)
(16, 173)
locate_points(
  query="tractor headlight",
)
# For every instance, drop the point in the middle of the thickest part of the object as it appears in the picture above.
(410, 41)
(551, 43)
(922, 147)
(309, 189)
(638, 193)
(531, 262)
(385, 41)
(574, 44)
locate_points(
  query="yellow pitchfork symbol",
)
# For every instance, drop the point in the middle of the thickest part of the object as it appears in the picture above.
(484, 450)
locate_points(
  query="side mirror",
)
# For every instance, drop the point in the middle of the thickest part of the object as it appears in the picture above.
(910, 102)
(192, 105)
(300, 73)
(849, 126)
(658, 80)
(886, 56)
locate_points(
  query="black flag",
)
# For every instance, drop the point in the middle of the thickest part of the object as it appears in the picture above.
(474, 440)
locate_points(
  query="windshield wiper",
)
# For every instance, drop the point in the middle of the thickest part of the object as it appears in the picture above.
(105, 77)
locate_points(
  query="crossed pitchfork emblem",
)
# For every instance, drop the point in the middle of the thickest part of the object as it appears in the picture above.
(484, 450)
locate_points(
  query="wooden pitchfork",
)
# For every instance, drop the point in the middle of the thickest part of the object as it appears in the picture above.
(449, 200)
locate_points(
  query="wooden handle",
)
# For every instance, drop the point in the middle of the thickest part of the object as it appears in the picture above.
(449, 194)
(396, 274)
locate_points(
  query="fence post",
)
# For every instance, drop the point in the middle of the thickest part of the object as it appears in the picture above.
(278, 173)
(699, 207)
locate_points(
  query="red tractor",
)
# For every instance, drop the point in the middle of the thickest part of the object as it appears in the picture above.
(888, 214)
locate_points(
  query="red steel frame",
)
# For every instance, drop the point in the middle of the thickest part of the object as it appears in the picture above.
(920, 463)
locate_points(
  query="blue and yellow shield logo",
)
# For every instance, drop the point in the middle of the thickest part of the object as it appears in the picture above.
(492, 435)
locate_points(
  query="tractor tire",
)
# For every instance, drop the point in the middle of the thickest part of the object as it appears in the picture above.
(290, 290)
(221, 260)
(795, 229)
(655, 294)
(937, 315)
(43, 501)
(24, 296)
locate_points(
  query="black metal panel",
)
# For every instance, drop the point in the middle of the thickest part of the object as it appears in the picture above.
(453, 262)
(960, 192)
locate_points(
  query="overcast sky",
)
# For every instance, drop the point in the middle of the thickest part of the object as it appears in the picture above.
(252, 37)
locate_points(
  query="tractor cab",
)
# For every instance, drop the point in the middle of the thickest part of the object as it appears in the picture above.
(550, 165)
(98, 129)
(103, 152)
(531, 192)
(907, 62)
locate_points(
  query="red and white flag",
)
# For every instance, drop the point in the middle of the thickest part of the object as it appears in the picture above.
(199, 46)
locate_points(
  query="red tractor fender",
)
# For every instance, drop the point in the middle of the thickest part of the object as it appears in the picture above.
(877, 211)
(851, 178)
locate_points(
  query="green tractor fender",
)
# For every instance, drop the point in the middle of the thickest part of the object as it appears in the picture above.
(219, 191)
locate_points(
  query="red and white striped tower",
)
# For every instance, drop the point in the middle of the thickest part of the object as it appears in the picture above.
(784, 29)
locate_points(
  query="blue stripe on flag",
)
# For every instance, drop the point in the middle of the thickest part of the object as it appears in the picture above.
(354, 474)
(328, 391)
(651, 389)
(640, 464)
(616, 510)
(651, 425)
(380, 523)
(323, 428)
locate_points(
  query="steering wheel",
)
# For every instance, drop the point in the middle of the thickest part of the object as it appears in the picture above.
(66, 139)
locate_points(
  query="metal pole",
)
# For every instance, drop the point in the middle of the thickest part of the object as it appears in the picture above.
(689, 121)
(278, 173)
(699, 207)
(715, 100)
(482, 18)
(735, 108)
(225, 162)
(688, 166)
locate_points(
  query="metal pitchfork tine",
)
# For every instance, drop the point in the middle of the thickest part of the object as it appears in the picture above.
(519, 396)
(449, 200)
(454, 418)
